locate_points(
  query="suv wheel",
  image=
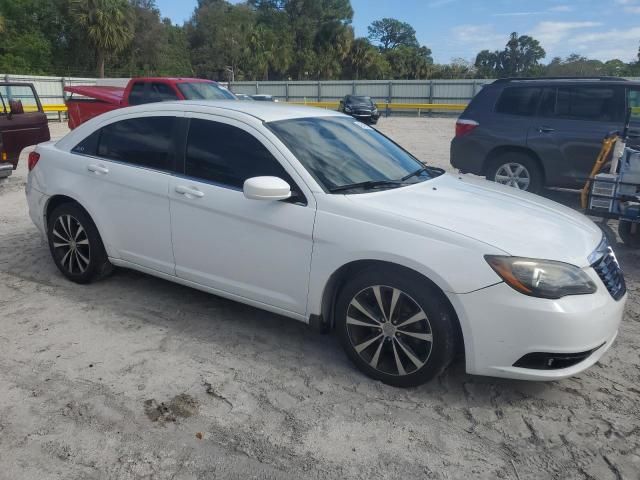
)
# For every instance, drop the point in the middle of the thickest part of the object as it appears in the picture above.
(516, 170)
(75, 244)
(395, 327)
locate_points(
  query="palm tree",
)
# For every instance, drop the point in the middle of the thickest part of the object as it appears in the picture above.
(107, 25)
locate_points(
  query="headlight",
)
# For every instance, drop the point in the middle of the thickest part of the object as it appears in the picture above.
(541, 278)
(347, 109)
(375, 109)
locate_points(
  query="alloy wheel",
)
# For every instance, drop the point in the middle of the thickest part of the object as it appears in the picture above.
(389, 330)
(513, 175)
(71, 244)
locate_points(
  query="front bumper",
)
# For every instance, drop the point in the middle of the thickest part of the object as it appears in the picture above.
(500, 326)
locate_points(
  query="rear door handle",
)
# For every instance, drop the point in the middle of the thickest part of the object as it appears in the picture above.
(546, 130)
(98, 169)
(189, 192)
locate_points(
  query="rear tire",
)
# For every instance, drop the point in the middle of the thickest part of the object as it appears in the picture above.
(75, 244)
(517, 170)
(629, 233)
(408, 340)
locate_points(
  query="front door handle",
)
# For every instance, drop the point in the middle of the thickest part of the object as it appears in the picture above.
(98, 169)
(189, 192)
(546, 130)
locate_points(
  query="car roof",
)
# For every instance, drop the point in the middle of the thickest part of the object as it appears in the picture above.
(262, 111)
(513, 82)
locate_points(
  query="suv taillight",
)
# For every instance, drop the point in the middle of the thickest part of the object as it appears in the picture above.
(33, 159)
(464, 127)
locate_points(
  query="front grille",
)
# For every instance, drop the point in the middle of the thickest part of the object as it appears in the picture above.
(609, 271)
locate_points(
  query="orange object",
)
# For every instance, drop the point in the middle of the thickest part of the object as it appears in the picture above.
(607, 146)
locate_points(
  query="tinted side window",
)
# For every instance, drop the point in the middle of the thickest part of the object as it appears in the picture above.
(161, 92)
(518, 101)
(634, 104)
(136, 95)
(144, 142)
(88, 146)
(227, 155)
(605, 104)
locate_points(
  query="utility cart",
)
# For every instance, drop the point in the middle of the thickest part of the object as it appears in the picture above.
(613, 189)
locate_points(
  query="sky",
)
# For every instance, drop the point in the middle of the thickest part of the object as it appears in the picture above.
(600, 29)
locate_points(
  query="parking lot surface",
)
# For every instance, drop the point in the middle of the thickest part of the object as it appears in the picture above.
(137, 378)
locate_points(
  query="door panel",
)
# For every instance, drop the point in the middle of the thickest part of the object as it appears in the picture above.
(260, 250)
(128, 165)
(568, 132)
(568, 148)
(21, 131)
(133, 207)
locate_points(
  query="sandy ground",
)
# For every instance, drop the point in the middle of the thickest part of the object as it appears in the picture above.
(138, 378)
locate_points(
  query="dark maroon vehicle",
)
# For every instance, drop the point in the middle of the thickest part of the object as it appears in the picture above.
(22, 123)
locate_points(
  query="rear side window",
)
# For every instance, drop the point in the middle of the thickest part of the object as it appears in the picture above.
(144, 142)
(604, 104)
(88, 146)
(518, 101)
(136, 95)
(161, 92)
(228, 155)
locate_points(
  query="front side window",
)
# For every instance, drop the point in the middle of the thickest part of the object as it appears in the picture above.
(18, 99)
(339, 152)
(205, 91)
(595, 103)
(144, 142)
(518, 101)
(227, 155)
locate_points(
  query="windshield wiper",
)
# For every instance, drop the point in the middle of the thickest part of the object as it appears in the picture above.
(433, 171)
(367, 185)
(414, 174)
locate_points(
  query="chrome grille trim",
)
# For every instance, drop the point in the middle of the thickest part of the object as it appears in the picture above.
(606, 265)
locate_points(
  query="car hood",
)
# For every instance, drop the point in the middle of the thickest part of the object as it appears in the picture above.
(366, 106)
(518, 223)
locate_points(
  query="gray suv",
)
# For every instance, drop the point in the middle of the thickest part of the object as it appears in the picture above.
(532, 133)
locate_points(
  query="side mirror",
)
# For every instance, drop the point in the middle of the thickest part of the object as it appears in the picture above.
(266, 188)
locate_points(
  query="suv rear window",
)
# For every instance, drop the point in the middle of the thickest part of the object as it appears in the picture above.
(518, 101)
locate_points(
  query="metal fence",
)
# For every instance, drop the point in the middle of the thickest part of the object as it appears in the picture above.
(382, 91)
(50, 89)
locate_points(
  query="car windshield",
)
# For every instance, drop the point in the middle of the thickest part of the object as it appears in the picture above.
(345, 155)
(205, 91)
(360, 100)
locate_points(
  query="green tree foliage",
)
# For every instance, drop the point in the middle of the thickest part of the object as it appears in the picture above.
(106, 24)
(250, 40)
(520, 58)
(390, 33)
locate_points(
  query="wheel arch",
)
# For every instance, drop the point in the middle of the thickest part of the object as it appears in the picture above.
(503, 149)
(339, 277)
(61, 199)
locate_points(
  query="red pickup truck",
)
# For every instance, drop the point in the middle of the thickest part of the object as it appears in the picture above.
(86, 102)
(22, 123)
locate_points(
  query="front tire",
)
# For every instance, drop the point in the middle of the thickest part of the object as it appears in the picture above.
(75, 244)
(518, 170)
(395, 326)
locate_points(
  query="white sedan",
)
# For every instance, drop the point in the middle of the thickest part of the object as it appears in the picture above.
(313, 215)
